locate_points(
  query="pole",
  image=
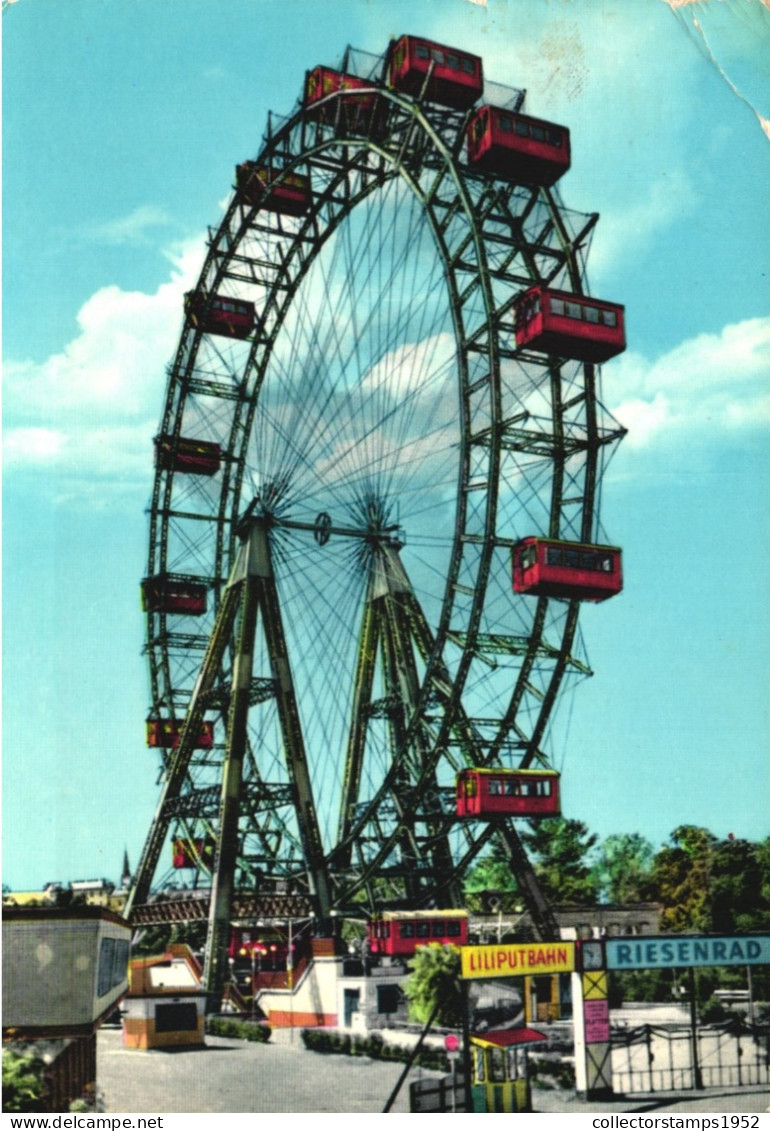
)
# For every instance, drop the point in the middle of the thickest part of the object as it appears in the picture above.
(697, 1077)
(411, 1060)
(466, 999)
(750, 982)
(290, 984)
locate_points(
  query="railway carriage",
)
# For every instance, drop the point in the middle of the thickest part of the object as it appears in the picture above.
(397, 934)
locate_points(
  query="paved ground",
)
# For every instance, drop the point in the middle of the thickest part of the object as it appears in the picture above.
(235, 1076)
(282, 1076)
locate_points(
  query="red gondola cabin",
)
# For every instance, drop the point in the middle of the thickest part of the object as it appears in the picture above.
(513, 145)
(569, 325)
(546, 567)
(399, 933)
(165, 594)
(220, 314)
(363, 113)
(456, 78)
(193, 457)
(193, 853)
(508, 793)
(165, 733)
(273, 190)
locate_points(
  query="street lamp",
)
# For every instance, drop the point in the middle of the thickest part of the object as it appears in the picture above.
(290, 980)
(253, 979)
(290, 961)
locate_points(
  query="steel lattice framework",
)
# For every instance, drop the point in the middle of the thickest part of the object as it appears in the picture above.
(384, 445)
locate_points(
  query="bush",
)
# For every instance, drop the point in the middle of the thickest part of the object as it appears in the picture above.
(546, 1072)
(713, 1011)
(24, 1085)
(242, 1030)
(373, 1046)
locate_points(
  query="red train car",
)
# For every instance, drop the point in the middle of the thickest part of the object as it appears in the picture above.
(548, 567)
(516, 146)
(165, 594)
(220, 314)
(557, 322)
(165, 734)
(399, 933)
(456, 77)
(193, 853)
(508, 793)
(273, 190)
(193, 457)
(363, 113)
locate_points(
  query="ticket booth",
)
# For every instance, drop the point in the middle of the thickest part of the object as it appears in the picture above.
(64, 973)
(165, 1002)
(500, 1071)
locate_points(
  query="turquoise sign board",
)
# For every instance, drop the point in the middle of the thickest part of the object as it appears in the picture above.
(678, 950)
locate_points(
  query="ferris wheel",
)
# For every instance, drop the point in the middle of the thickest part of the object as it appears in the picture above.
(375, 506)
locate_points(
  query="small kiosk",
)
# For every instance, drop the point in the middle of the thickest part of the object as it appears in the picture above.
(64, 972)
(165, 1002)
(500, 1075)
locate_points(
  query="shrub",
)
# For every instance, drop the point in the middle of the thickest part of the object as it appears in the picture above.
(551, 1073)
(373, 1046)
(712, 1011)
(24, 1085)
(242, 1030)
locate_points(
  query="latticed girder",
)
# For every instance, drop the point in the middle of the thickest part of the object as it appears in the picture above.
(490, 645)
(255, 797)
(428, 808)
(388, 641)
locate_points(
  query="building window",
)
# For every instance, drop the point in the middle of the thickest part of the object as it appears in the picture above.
(387, 999)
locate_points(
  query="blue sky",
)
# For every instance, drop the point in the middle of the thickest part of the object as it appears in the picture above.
(122, 122)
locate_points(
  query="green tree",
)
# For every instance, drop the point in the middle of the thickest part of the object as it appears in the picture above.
(435, 984)
(681, 878)
(155, 938)
(492, 873)
(560, 848)
(622, 868)
(740, 886)
(23, 1081)
(151, 940)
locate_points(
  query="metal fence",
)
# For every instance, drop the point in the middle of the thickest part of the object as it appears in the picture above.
(652, 1058)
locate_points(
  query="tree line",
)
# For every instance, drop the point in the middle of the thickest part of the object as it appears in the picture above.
(701, 882)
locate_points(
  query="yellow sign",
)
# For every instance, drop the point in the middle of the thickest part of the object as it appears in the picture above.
(515, 960)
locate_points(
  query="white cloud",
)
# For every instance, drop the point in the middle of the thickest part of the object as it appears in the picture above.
(35, 445)
(134, 228)
(644, 419)
(710, 384)
(88, 410)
